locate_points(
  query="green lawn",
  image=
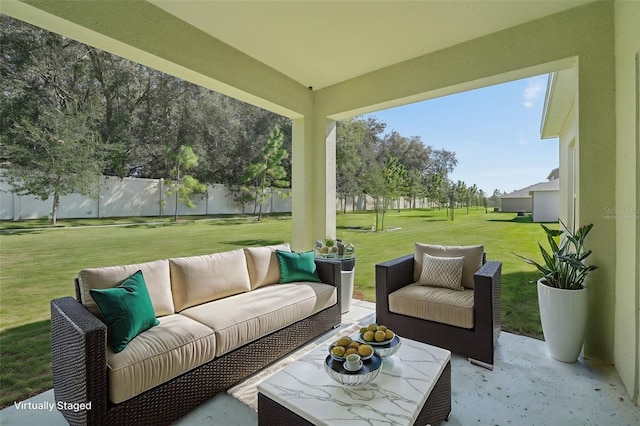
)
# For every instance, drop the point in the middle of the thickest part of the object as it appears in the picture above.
(39, 265)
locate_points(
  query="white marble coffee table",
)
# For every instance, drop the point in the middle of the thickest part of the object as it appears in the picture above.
(414, 387)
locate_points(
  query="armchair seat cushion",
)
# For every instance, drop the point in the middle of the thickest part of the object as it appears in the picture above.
(443, 305)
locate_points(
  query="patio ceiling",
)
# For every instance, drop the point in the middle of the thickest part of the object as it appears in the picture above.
(322, 43)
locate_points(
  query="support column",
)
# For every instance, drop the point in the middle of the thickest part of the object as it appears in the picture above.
(313, 181)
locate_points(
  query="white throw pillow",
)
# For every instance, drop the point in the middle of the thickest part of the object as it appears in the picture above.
(442, 272)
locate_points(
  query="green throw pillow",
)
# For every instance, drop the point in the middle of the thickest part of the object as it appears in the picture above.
(126, 309)
(297, 266)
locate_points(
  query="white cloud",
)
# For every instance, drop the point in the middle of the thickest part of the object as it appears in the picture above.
(534, 91)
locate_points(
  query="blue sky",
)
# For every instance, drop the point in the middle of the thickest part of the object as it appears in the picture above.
(494, 131)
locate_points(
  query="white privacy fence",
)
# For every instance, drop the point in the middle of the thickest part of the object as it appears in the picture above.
(148, 197)
(132, 197)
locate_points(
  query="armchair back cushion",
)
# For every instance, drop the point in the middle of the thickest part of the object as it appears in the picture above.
(472, 259)
(199, 279)
(156, 276)
(263, 265)
(442, 271)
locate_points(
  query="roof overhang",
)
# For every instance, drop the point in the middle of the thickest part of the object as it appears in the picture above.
(562, 89)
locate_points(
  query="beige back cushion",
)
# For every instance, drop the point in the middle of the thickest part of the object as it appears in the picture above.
(472, 259)
(442, 271)
(200, 279)
(156, 276)
(263, 265)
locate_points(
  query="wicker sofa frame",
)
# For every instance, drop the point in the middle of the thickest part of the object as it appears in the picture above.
(79, 364)
(477, 343)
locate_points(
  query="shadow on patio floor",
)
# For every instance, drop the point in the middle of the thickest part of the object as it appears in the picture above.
(526, 387)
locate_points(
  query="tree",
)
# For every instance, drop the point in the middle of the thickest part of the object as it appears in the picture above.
(268, 171)
(472, 194)
(50, 146)
(415, 186)
(395, 177)
(483, 199)
(184, 184)
(349, 135)
(496, 197)
(374, 184)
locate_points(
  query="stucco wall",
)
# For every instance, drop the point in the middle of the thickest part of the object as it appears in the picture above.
(545, 206)
(513, 205)
(627, 208)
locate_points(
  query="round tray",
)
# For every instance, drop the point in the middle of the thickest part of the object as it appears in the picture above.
(369, 371)
(385, 350)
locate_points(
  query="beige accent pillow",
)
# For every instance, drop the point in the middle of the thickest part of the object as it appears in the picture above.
(262, 264)
(472, 259)
(200, 279)
(443, 272)
(156, 276)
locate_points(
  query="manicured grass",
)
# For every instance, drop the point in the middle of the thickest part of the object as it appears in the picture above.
(40, 265)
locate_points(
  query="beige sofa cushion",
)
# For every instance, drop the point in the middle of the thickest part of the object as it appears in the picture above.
(453, 307)
(200, 279)
(262, 264)
(472, 259)
(175, 346)
(156, 276)
(240, 319)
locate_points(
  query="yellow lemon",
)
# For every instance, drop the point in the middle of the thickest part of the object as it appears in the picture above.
(389, 334)
(338, 351)
(344, 341)
(365, 350)
(368, 336)
(380, 336)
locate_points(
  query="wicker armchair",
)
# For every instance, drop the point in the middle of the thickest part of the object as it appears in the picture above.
(477, 343)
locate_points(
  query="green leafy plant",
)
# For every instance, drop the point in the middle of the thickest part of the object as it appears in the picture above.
(563, 265)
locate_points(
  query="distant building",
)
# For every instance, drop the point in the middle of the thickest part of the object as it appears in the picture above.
(540, 199)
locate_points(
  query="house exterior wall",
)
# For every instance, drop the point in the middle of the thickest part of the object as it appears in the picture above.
(545, 206)
(513, 205)
(627, 208)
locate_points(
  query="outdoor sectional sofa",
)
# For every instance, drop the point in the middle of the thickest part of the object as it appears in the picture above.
(221, 318)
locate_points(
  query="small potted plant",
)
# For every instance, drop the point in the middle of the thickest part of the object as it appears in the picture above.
(562, 296)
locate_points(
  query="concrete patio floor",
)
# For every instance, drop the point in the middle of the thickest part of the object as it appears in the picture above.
(526, 387)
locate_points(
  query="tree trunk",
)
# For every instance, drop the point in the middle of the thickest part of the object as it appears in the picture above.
(175, 213)
(54, 210)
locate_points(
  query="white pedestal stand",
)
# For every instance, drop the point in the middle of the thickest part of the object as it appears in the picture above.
(347, 289)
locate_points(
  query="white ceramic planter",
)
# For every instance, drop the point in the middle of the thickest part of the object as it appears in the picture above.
(563, 314)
